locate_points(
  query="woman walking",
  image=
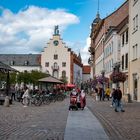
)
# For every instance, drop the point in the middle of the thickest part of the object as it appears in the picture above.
(82, 99)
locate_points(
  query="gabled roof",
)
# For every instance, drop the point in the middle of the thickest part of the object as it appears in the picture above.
(20, 59)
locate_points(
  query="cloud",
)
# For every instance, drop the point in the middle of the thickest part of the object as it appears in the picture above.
(82, 47)
(28, 30)
(84, 52)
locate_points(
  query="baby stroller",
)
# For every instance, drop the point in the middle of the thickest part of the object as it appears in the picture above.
(73, 102)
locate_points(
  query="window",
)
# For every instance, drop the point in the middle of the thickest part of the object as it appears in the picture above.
(63, 73)
(135, 47)
(63, 64)
(135, 23)
(112, 47)
(134, 2)
(122, 62)
(55, 74)
(126, 60)
(55, 56)
(26, 63)
(122, 39)
(127, 36)
(47, 64)
(111, 64)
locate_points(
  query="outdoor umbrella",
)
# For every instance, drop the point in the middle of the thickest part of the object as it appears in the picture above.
(4, 67)
(50, 79)
(70, 85)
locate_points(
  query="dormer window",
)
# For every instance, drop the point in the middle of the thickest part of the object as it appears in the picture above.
(26, 63)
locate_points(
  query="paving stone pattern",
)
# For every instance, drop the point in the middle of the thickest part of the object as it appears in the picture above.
(49, 122)
(118, 125)
(33, 123)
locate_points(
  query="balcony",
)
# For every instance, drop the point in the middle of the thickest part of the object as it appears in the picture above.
(91, 50)
(90, 61)
(55, 67)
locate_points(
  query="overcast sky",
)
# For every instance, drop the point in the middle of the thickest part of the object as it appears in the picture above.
(27, 25)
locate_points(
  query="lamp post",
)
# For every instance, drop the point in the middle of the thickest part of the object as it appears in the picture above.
(103, 77)
(117, 69)
(6, 102)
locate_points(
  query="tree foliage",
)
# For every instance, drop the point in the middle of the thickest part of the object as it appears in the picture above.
(26, 77)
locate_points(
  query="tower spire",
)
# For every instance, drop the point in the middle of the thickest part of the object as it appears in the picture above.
(98, 15)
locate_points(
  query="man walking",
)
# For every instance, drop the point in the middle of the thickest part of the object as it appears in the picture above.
(117, 98)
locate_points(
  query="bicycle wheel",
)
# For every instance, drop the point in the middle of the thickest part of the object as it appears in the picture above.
(37, 102)
(59, 98)
(46, 101)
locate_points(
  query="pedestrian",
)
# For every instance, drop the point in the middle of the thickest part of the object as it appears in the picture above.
(107, 93)
(118, 103)
(26, 97)
(100, 93)
(82, 99)
(112, 97)
(13, 94)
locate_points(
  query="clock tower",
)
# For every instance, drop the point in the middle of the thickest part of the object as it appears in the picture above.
(60, 61)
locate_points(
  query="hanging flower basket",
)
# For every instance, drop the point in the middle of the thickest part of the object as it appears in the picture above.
(99, 80)
(117, 77)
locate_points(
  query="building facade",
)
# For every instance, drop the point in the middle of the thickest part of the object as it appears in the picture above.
(86, 73)
(22, 62)
(107, 50)
(56, 59)
(99, 33)
(134, 49)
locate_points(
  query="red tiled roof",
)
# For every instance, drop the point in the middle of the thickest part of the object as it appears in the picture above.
(86, 69)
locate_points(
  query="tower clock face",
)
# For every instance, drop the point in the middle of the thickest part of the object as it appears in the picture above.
(55, 42)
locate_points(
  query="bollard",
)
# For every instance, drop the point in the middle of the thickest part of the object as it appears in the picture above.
(6, 102)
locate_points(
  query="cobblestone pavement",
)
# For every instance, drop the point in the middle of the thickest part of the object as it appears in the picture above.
(33, 123)
(117, 125)
(49, 122)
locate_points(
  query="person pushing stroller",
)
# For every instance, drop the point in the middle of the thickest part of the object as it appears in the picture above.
(73, 100)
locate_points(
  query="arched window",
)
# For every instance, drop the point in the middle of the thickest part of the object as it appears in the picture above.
(55, 73)
(63, 73)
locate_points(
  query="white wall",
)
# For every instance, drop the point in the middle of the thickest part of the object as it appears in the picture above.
(26, 68)
(63, 56)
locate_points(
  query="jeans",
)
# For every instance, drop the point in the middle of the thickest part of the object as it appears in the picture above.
(113, 102)
(118, 105)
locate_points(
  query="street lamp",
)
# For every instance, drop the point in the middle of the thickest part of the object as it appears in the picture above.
(103, 78)
(116, 68)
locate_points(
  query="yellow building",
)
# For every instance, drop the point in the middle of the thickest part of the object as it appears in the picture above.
(134, 49)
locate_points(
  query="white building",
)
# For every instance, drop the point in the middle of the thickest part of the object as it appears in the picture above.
(56, 59)
(111, 50)
(123, 32)
(134, 49)
(22, 62)
(59, 61)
